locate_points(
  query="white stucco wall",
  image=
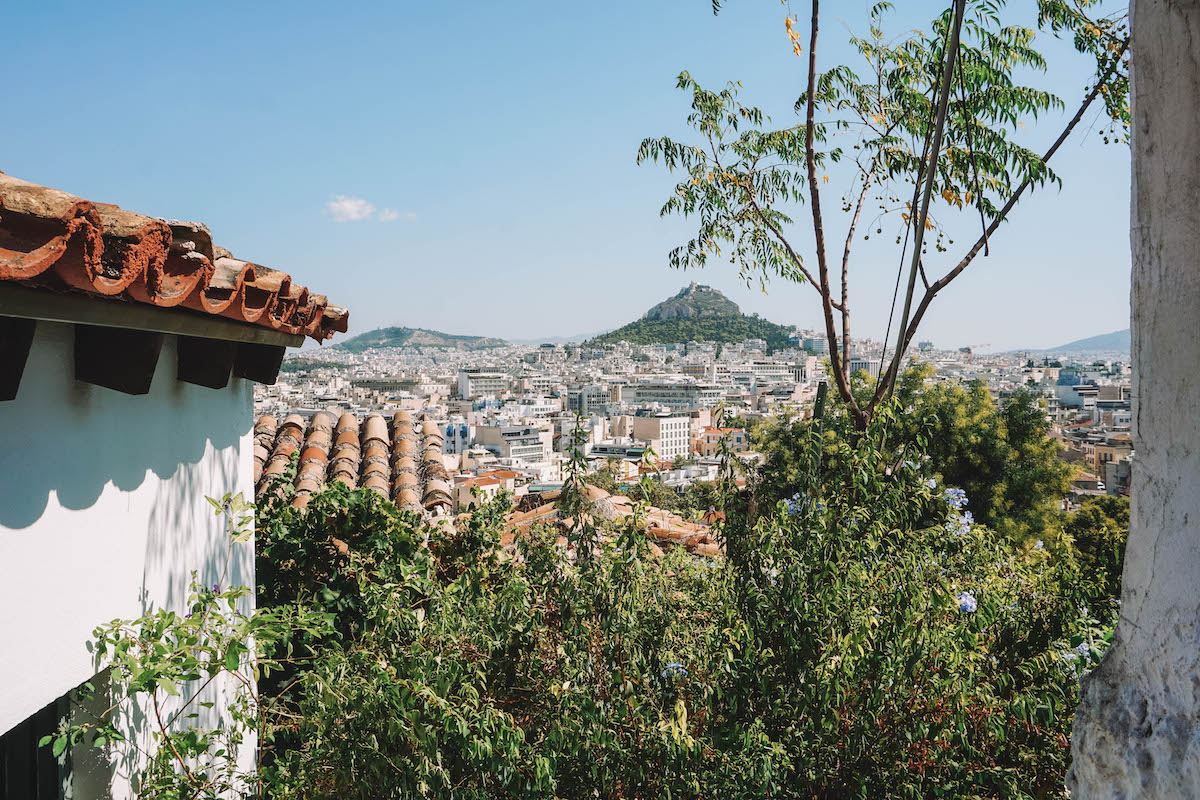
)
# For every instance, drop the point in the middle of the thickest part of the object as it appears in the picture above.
(102, 512)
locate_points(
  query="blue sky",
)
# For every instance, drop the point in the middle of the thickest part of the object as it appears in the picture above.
(469, 167)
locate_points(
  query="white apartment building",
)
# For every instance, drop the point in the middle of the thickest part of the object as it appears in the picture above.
(816, 345)
(534, 407)
(868, 365)
(668, 434)
(675, 395)
(475, 381)
(530, 444)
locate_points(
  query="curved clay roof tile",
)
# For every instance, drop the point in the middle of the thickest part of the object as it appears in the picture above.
(322, 420)
(102, 249)
(133, 244)
(224, 293)
(408, 499)
(188, 265)
(41, 226)
(307, 485)
(335, 319)
(375, 483)
(375, 449)
(313, 453)
(374, 429)
(376, 468)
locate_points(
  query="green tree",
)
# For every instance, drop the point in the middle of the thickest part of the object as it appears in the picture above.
(1001, 455)
(953, 91)
(1099, 529)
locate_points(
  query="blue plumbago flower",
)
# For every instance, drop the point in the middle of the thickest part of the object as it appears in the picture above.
(799, 502)
(931, 484)
(1039, 545)
(966, 603)
(910, 465)
(675, 670)
(960, 524)
(1082, 650)
(217, 588)
(956, 498)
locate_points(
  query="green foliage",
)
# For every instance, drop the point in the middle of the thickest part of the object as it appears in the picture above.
(680, 330)
(741, 178)
(861, 638)
(1002, 456)
(855, 649)
(1098, 530)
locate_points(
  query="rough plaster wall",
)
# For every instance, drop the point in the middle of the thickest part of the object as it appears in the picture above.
(102, 516)
(1137, 729)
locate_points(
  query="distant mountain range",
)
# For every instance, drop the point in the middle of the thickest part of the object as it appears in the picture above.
(417, 337)
(579, 337)
(698, 314)
(1117, 341)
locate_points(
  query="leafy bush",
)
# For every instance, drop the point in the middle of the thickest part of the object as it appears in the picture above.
(863, 637)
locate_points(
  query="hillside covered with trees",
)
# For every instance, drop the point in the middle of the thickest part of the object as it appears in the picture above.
(698, 314)
(416, 337)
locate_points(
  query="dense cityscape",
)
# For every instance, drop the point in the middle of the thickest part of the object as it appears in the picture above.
(664, 410)
(375, 442)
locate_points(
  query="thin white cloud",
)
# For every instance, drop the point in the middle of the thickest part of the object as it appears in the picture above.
(344, 208)
(391, 215)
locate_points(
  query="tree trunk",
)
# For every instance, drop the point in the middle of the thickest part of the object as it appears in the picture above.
(1137, 728)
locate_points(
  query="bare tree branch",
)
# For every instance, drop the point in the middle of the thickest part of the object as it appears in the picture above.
(810, 161)
(945, 280)
(844, 307)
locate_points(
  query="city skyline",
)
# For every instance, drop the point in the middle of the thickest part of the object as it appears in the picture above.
(471, 169)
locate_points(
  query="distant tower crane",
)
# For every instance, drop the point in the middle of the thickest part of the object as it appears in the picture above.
(970, 350)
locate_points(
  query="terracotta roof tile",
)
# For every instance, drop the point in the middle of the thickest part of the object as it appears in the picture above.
(359, 453)
(54, 240)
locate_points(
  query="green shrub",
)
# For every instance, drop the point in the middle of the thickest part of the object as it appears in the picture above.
(863, 637)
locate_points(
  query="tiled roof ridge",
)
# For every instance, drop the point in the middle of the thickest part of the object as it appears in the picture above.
(54, 240)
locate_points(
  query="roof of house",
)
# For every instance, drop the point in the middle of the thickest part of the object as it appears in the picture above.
(372, 453)
(55, 241)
